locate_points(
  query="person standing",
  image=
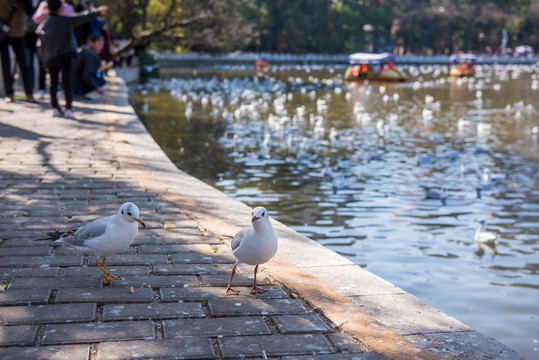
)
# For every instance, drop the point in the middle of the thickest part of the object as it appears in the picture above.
(39, 16)
(17, 10)
(30, 38)
(42, 11)
(58, 47)
(81, 31)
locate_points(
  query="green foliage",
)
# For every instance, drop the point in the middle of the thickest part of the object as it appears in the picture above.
(331, 26)
(437, 26)
(226, 25)
(423, 26)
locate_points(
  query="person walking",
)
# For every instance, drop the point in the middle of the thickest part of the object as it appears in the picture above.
(58, 47)
(13, 19)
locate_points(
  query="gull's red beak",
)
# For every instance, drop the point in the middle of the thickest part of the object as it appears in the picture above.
(254, 219)
(140, 222)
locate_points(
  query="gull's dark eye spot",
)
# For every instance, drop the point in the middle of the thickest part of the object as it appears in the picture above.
(128, 213)
(263, 214)
(122, 212)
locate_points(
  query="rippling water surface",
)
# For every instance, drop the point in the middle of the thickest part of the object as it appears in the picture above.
(349, 165)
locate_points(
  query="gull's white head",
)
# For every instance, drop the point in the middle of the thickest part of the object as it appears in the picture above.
(482, 227)
(259, 215)
(130, 212)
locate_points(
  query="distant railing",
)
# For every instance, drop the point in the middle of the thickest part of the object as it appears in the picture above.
(195, 59)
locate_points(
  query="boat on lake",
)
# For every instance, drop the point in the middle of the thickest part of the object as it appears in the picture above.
(373, 67)
(462, 65)
(261, 66)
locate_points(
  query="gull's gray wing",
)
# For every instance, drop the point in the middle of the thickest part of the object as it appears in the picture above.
(92, 230)
(236, 241)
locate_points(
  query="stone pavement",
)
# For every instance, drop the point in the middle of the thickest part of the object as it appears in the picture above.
(170, 302)
(57, 173)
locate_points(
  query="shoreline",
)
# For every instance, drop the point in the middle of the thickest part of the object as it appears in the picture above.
(201, 60)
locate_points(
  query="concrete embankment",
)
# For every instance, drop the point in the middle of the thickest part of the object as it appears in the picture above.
(59, 173)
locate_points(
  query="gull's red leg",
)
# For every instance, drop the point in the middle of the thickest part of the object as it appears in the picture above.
(255, 289)
(230, 291)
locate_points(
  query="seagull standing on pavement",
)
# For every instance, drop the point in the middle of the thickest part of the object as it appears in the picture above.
(103, 237)
(254, 245)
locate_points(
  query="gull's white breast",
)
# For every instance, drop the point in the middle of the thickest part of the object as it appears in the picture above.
(117, 237)
(257, 247)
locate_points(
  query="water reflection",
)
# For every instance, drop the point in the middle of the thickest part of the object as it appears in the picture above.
(392, 176)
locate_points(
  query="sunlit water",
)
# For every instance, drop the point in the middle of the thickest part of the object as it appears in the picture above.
(346, 164)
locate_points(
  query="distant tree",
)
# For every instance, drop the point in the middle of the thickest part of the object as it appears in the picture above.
(312, 25)
(295, 26)
(442, 26)
(222, 25)
(209, 25)
(345, 26)
(530, 26)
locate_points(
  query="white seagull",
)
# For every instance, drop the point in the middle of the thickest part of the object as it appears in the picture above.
(485, 240)
(254, 245)
(482, 235)
(436, 194)
(103, 237)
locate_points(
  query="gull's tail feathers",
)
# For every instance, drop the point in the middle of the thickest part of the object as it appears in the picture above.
(56, 235)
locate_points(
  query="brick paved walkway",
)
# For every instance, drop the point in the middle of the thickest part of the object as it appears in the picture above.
(56, 174)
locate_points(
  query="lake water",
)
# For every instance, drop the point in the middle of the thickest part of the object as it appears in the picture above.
(348, 165)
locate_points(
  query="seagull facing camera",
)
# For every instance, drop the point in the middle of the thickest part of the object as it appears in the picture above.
(254, 245)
